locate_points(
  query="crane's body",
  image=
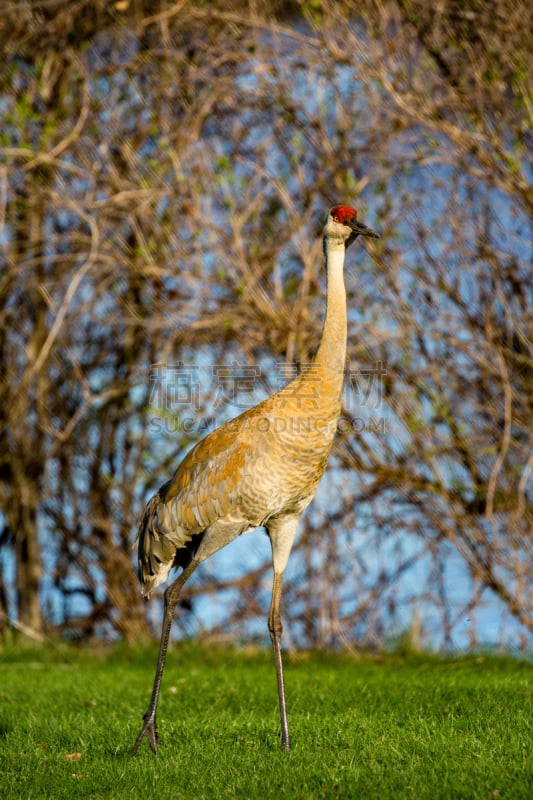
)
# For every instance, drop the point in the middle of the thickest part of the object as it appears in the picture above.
(260, 469)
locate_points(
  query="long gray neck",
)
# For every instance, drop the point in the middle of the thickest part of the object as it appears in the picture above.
(331, 355)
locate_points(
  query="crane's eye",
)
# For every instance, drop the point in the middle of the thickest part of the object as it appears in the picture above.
(336, 219)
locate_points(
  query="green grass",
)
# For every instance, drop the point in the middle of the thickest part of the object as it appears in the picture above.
(399, 728)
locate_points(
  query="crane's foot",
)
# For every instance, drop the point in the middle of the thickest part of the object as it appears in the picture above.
(149, 730)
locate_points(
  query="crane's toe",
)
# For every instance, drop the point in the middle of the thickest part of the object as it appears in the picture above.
(148, 730)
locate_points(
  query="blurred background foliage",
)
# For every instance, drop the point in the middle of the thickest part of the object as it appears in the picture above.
(165, 168)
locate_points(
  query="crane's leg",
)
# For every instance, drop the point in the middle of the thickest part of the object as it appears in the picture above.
(172, 594)
(275, 628)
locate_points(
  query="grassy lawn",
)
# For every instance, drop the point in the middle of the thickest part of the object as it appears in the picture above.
(395, 728)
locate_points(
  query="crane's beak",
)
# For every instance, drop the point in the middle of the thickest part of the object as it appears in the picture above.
(360, 229)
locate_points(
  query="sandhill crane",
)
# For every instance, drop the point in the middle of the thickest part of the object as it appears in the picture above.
(260, 469)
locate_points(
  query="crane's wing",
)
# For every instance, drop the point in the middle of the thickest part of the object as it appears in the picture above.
(206, 488)
(206, 485)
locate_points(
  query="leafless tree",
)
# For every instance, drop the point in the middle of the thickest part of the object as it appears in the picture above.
(164, 171)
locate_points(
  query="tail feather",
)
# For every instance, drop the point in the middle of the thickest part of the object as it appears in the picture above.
(155, 552)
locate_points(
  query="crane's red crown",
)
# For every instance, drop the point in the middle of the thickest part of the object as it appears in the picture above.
(342, 214)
